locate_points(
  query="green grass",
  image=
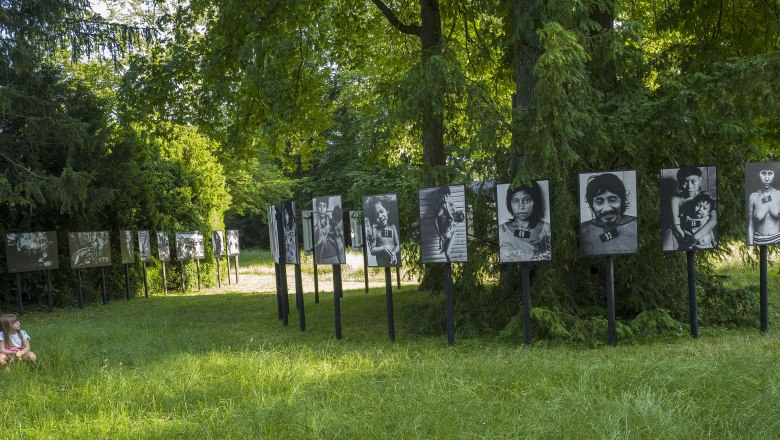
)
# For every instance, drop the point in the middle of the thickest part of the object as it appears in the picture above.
(223, 366)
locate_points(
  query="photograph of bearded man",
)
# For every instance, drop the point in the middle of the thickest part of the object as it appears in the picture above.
(608, 222)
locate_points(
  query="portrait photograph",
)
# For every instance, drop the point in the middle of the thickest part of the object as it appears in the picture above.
(144, 246)
(381, 223)
(189, 245)
(218, 243)
(524, 232)
(126, 249)
(328, 230)
(443, 229)
(289, 225)
(689, 217)
(273, 233)
(232, 242)
(356, 229)
(308, 232)
(89, 249)
(762, 203)
(163, 247)
(608, 213)
(31, 251)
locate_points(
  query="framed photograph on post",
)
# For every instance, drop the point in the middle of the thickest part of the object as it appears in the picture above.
(381, 223)
(217, 243)
(31, 251)
(273, 233)
(762, 203)
(328, 230)
(144, 246)
(232, 242)
(126, 249)
(524, 232)
(443, 236)
(89, 249)
(189, 246)
(163, 247)
(308, 233)
(689, 218)
(356, 229)
(608, 213)
(290, 233)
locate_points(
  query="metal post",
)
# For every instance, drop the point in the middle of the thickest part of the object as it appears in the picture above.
(610, 284)
(692, 310)
(299, 296)
(127, 281)
(316, 287)
(526, 304)
(236, 268)
(337, 298)
(365, 263)
(197, 267)
(103, 284)
(450, 303)
(19, 304)
(763, 286)
(219, 273)
(228, 269)
(81, 292)
(48, 290)
(389, 299)
(165, 279)
(146, 282)
(183, 280)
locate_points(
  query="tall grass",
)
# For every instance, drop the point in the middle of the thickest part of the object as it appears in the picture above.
(223, 366)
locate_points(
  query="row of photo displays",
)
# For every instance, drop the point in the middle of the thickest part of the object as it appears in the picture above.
(608, 218)
(31, 251)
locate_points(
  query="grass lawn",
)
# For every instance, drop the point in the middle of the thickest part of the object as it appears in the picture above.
(222, 365)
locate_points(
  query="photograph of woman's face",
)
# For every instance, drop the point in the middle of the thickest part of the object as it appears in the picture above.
(767, 177)
(522, 205)
(690, 186)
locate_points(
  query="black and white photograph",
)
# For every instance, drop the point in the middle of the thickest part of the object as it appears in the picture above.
(608, 213)
(291, 254)
(89, 249)
(218, 243)
(145, 246)
(383, 242)
(126, 249)
(762, 203)
(443, 229)
(308, 233)
(31, 251)
(163, 246)
(232, 242)
(273, 233)
(356, 229)
(689, 217)
(189, 245)
(524, 232)
(328, 230)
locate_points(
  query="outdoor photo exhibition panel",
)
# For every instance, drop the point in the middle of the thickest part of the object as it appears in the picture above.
(355, 229)
(126, 248)
(189, 245)
(232, 242)
(273, 233)
(524, 231)
(89, 249)
(328, 231)
(443, 237)
(28, 252)
(145, 246)
(163, 247)
(31, 251)
(289, 221)
(689, 218)
(308, 233)
(381, 222)
(608, 213)
(218, 243)
(762, 203)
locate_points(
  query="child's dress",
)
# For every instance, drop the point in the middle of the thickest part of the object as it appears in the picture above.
(14, 343)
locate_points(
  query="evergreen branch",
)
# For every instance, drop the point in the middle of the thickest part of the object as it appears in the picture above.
(20, 166)
(390, 15)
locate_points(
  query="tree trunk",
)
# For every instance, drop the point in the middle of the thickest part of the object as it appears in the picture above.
(433, 116)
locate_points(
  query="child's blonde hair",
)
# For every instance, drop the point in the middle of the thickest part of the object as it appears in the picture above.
(6, 321)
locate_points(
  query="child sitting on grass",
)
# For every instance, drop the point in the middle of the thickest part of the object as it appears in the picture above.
(14, 342)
